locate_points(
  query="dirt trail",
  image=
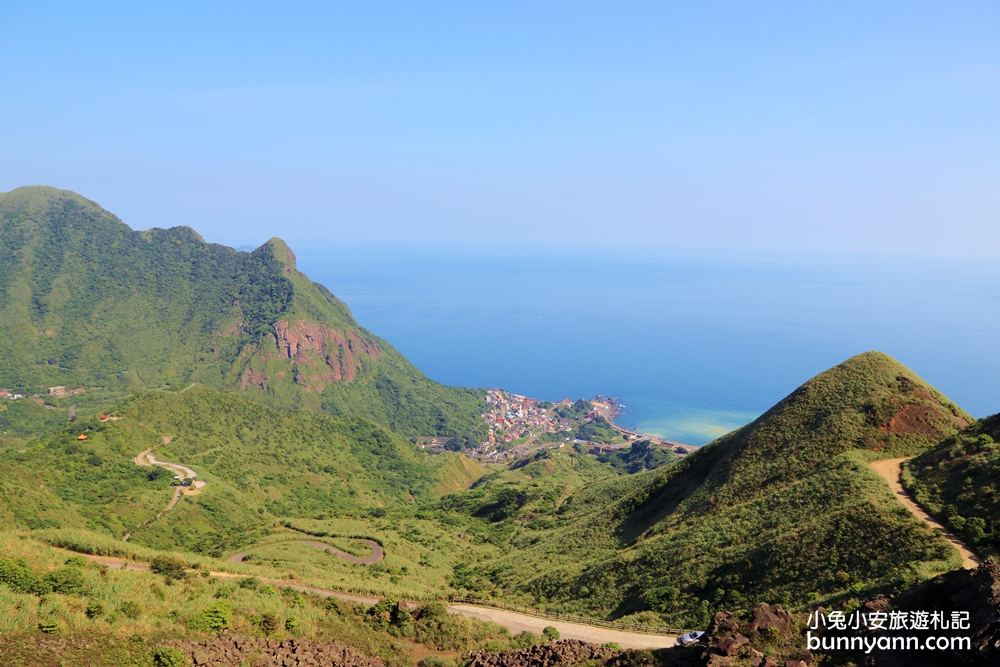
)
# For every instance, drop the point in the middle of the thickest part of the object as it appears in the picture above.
(519, 622)
(513, 621)
(376, 548)
(890, 470)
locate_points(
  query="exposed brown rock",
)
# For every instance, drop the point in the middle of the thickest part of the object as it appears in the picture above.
(321, 355)
(570, 651)
(236, 651)
(770, 616)
(252, 378)
(723, 621)
(732, 645)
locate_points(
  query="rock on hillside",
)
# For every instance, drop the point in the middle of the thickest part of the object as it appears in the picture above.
(236, 651)
(88, 302)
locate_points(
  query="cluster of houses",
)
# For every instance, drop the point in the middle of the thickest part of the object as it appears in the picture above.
(513, 416)
(55, 392)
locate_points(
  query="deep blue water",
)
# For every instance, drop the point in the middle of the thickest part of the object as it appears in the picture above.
(692, 347)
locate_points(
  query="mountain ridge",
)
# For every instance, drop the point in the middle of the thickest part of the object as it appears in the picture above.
(87, 301)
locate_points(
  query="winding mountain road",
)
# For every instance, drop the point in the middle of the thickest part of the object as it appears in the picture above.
(377, 553)
(891, 471)
(146, 459)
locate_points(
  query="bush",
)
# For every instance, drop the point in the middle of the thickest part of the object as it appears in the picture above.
(614, 646)
(291, 623)
(250, 582)
(19, 577)
(170, 567)
(217, 615)
(94, 609)
(49, 626)
(130, 609)
(433, 610)
(434, 661)
(268, 624)
(550, 633)
(168, 656)
(524, 640)
(65, 580)
(76, 561)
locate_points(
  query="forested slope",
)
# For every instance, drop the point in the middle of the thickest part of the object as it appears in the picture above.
(260, 465)
(86, 302)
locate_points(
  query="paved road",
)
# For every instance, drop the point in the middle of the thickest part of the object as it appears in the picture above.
(890, 470)
(376, 548)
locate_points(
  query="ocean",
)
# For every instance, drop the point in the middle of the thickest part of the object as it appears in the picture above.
(693, 347)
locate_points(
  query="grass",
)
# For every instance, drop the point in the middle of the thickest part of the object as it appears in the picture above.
(113, 606)
(785, 509)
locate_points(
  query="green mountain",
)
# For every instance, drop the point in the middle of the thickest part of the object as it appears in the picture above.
(784, 509)
(958, 482)
(87, 303)
(260, 465)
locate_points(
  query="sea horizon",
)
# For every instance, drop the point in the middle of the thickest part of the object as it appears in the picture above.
(693, 347)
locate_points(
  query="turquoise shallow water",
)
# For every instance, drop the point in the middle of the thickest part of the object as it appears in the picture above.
(692, 347)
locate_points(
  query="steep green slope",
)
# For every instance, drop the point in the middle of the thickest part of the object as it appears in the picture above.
(783, 509)
(85, 302)
(259, 464)
(959, 482)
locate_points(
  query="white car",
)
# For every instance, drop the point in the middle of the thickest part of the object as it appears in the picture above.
(689, 638)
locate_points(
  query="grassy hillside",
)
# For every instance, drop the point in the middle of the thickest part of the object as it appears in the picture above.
(112, 617)
(784, 509)
(260, 464)
(87, 303)
(959, 483)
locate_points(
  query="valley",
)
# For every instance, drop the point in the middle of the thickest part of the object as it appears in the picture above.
(260, 454)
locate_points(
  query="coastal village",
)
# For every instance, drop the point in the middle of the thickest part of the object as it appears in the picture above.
(520, 424)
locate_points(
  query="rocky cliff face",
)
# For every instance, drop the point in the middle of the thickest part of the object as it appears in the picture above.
(312, 354)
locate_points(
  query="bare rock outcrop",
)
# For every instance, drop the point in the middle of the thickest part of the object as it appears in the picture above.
(568, 651)
(237, 651)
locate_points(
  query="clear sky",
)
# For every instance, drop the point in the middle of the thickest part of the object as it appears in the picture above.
(745, 125)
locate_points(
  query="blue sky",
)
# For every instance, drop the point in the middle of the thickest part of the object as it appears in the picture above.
(714, 126)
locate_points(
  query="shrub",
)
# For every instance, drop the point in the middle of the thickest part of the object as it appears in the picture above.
(550, 633)
(614, 646)
(223, 591)
(48, 626)
(268, 624)
(524, 639)
(19, 577)
(250, 582)
(214, 617)
(433, 610)
(434, 661)
(291, 623)
(130, 609)
(94, 609)
(76, 561)
(217, 615)
(65, 580)
(168, 656)
(170, 567)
